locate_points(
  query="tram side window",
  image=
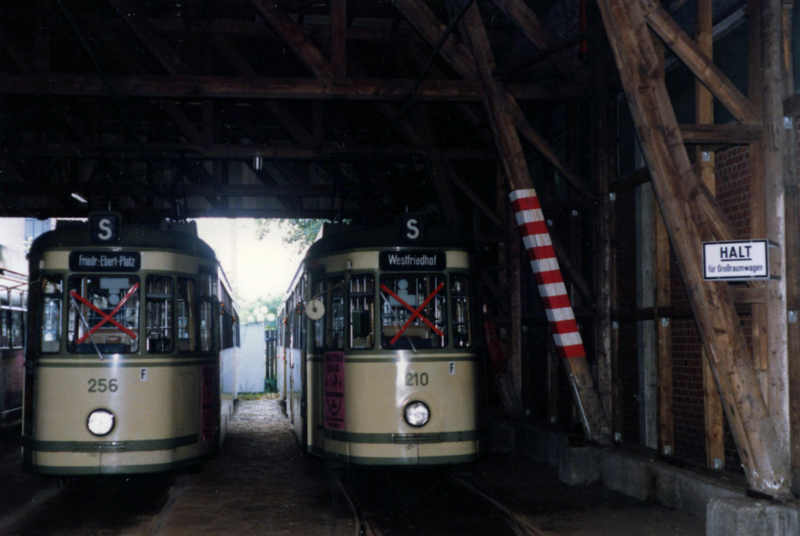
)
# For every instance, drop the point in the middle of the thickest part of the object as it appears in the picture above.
(208, 291)
(103, 314)
(460, 297)
(5, 325)
(160, 296)
(187, 334)
(228, 320)
(52, 303)
(362, 305)
(17, 330)
(319, 325)
(405, 323)
(335, 325)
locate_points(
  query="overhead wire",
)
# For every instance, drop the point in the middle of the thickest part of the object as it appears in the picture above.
(123, 115)
(409, 101)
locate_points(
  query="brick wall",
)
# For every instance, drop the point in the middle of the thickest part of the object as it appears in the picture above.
(732, 168)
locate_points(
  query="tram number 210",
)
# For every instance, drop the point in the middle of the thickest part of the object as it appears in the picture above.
(414, 379)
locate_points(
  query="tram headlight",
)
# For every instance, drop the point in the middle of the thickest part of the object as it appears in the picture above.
(101, 422)
(417, 413)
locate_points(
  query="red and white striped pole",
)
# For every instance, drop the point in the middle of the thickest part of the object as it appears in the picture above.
(542, 256)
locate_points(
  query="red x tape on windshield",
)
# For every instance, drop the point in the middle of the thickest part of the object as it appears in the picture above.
(106, 317)
(417, 312)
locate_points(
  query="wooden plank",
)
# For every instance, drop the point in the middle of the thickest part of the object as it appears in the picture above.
(720, 134)
(293, 36)
(197, 87)
(420, 16)
(775, 169)
(339, 37)
(166, 56)
(280, 151)
(603, 165)
(527, 22)
(792, 205)
(704, 115)
(766, 464)
(515, 168)
(664, 336)
(699, 63)
(541, 145)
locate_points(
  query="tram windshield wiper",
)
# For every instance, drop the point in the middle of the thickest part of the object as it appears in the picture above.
(86, 325)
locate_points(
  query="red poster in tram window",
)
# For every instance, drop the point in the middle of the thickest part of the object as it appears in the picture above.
(334, 390)
(207, 403)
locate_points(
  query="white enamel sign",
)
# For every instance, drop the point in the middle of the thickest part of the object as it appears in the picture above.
(736, 260)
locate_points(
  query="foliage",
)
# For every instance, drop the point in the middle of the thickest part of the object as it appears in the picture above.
(300, 232)
(254, 308)
(271, 385)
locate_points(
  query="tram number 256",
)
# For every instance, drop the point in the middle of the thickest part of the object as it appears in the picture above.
(102, 385)
(414, 379)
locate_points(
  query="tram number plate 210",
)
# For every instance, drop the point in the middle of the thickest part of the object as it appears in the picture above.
(414, 379)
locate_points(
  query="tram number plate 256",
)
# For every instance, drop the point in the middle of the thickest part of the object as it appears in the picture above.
(102, 385)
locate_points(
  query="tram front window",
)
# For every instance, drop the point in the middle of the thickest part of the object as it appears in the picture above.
(413, 312)
(103, 314)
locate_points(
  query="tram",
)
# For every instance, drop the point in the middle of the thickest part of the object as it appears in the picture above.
(131, 359)
(377, 359)
(13, 302)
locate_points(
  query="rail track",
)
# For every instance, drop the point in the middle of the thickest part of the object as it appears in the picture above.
(424, 502)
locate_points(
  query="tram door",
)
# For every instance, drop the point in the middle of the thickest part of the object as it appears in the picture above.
(297, 364)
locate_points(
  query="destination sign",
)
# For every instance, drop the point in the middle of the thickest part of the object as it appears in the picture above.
(736, 260)
(412, 260)
(105, 261)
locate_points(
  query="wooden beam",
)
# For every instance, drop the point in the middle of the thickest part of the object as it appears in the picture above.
(420, 16)
(593, 419)
(166, 56)
(199, 87)
(699, 63)
(527, 22)
(792, 210)
(541, 145)
(704, 115)
(330, 150)
(293, 36)
(766, 466)
(720, 134)
(775, 169)
(339, 37)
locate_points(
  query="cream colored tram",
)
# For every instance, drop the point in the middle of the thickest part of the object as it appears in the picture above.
(380, 359)
(127, 336)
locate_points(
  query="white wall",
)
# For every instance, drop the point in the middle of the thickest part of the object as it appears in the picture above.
(252, 359)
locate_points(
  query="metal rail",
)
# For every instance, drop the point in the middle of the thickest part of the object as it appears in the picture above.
(515, 521)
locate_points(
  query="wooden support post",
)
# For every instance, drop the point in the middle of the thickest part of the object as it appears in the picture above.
(661, 272)
(775, 169)
(664, 336)
(339, 37)
(518, 367)
(792, 252)
(704, 115)
(604, 111)
(765, 461)
(758, 223)
(537, 241)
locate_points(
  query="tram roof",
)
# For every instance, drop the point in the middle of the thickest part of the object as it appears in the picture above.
(340, 238)
(175, 236)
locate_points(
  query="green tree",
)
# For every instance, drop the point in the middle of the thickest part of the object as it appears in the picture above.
(301, 232)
